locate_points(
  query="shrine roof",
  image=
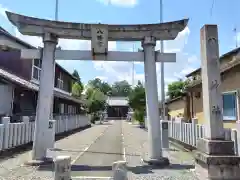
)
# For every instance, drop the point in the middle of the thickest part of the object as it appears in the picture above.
(117, 101)
(12, 37)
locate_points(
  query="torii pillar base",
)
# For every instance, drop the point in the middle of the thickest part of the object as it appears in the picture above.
(162, 162)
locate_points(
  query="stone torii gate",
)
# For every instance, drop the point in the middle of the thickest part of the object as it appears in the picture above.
(99, 34)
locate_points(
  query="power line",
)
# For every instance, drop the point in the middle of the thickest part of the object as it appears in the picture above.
(133, 68)
(56, 10)
(211, 10)
(235, 31)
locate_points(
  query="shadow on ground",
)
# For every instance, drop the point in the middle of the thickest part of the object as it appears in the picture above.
(93, 152)
(144, 169)
(15, 151)
(105, 123)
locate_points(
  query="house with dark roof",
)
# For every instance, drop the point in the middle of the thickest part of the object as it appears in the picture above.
(190, 105)
(19, 82)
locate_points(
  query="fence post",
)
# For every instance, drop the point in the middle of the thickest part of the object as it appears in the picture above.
(165, 139)
(66, 118)
(181, 129)
(227, 132)
(1, 136)
(194, 134)
(238, 135)
(172, 129)
(5, 122)
(25, 120)
(235, 140)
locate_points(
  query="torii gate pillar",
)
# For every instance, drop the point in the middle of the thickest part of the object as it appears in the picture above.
(45, 97)
(154, 132)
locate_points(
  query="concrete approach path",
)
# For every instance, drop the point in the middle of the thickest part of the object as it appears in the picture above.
(93, 151)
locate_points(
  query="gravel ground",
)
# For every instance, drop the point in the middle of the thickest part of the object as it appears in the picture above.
(136, 147)
(12, 168)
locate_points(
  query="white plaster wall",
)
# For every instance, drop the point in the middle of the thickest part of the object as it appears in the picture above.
(6, 97)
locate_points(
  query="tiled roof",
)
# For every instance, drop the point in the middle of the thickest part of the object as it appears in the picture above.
(29, 85)
(117, 101)
(6, 33)
(236, 50)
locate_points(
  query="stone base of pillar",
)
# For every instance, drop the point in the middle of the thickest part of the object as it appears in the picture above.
(43, 162)
(215, 160)
(161, 162)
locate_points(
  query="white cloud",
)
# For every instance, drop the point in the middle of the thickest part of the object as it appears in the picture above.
(2, 11)
(192, 59)
(123, 3)
(103, 78)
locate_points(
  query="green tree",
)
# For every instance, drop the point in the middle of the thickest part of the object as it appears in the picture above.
(77, 86)
(96, 102)
(137, 101)
(121, 88)
(97, 83)
(76, 90)
(176, 89)
(137, 98)
(76, 75)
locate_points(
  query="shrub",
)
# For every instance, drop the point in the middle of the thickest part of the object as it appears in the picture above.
(139, 116)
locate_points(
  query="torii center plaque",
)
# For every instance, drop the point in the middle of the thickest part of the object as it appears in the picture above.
(99, 41)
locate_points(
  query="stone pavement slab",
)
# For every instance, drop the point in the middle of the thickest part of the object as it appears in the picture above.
(12, 168)
(136, 146)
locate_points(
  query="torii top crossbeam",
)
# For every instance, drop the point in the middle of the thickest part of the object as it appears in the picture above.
(36, 27)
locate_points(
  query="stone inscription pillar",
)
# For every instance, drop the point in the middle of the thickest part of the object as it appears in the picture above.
(215, 157)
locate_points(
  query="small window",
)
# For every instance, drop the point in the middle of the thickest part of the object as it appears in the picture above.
(38, 63)
(35, 73)
(36, 69)
(60, 81)
(230, 106)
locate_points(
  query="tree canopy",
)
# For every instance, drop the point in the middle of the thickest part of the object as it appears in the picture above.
(137, 101)
(176, 89)
(137, 98)
(77, 87)
(97, 83)
(96, 100)
(119, 88)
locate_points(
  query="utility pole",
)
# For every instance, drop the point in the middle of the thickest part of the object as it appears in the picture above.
(56, 10)
(235, 31)
(133, 68)
(162, 66)
(211, 10)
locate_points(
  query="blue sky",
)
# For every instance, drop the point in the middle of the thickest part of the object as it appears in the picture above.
(186, 45)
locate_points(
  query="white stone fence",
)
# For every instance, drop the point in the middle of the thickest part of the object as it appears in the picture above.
(189, 133)
(17, 134)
